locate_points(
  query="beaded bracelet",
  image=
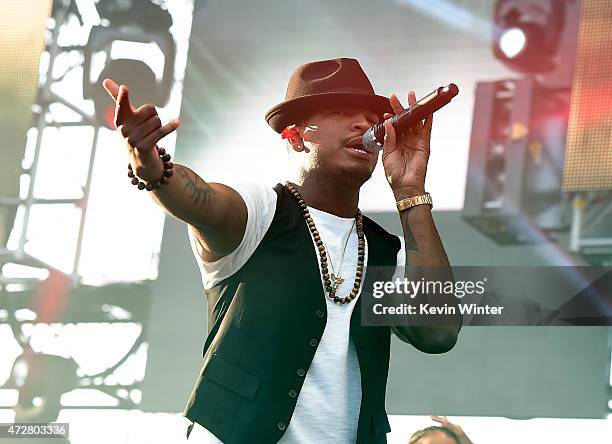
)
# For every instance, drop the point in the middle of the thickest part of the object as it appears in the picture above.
(165, 157)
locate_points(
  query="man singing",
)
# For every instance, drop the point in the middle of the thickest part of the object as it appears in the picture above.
(286, 358)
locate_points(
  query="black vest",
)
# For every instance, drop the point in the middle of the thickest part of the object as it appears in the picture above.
(265, 323)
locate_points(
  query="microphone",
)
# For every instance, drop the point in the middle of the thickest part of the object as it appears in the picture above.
(375, 136)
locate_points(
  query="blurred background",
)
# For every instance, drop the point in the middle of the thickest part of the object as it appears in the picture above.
(102, 313)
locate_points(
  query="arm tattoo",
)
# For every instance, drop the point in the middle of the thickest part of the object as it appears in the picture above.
(409, 239)
(200, 195)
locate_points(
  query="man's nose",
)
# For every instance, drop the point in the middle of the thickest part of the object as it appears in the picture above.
(361, 122)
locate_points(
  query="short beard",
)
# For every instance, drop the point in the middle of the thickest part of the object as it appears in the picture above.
(342, 173)
(318, 167)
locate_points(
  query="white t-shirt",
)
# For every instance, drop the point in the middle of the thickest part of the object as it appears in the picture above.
(328, 405)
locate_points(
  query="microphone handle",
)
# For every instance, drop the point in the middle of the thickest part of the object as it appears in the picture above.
(375, 136)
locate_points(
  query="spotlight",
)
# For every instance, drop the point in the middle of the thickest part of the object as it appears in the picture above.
(140, 12)
(41, 380)
(140, 22)
(512, 42)
(526, 33)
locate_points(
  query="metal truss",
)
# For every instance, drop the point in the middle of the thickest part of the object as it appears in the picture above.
(45, 99)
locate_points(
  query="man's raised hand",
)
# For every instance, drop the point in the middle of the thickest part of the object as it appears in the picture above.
(141, 129)
(405, 156)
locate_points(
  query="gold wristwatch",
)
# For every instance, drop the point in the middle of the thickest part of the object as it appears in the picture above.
(410, 202)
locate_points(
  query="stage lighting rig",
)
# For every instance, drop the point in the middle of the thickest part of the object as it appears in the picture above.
(513, 192)
(61, 351)
(131, 12)
(526, 33)
(136, 22)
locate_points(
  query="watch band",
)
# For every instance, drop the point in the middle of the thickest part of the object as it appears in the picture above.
(410, 202)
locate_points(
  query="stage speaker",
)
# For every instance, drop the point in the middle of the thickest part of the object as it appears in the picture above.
(513, 191)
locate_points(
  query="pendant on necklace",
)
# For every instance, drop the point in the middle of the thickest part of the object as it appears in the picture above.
(336, 281)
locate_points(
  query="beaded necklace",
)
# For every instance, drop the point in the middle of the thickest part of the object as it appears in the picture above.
(330, 287)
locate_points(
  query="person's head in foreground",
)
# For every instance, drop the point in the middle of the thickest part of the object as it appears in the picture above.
(434, 435)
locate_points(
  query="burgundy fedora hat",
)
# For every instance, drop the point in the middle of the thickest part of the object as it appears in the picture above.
(323, 85)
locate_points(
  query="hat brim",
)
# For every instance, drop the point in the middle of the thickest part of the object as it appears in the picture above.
(294, 110)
